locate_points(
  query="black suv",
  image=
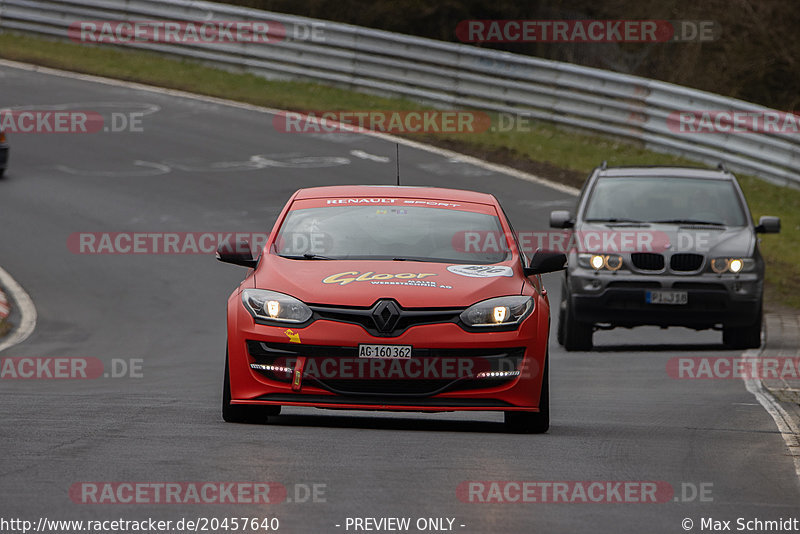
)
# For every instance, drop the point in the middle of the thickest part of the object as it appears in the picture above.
(664, 246)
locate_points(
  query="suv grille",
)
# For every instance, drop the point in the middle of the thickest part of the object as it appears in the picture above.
(647, 261)
(686, 262)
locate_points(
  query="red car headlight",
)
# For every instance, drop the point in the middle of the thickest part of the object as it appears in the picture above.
(270, 306)
(498, 312)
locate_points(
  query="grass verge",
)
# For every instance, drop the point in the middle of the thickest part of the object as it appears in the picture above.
(541, 148)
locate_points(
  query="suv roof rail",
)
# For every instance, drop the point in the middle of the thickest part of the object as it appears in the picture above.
(604, 165)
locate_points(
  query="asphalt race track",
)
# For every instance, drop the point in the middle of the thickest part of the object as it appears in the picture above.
(197, 167)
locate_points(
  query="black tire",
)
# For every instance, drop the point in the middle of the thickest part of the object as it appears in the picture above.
(239, 413)
(562, 317)
(577, 335)
(743, 337)
(533, 422)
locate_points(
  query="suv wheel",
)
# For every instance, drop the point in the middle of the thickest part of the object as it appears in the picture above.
(577, 335)
(743, 337)
(562, 316)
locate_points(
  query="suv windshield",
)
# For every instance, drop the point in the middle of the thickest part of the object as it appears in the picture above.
(386, 233)
(674, 200)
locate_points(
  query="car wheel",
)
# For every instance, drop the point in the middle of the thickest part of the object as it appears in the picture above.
(562, 315)
(743, 337)
(577, 335)
(533, 422)
(238, 413)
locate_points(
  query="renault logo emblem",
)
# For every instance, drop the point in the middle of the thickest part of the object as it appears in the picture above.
(385, 315)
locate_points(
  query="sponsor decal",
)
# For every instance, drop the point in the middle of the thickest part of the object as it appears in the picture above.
(481, 271)
(293, 338)
(370, 276)
(393, 201)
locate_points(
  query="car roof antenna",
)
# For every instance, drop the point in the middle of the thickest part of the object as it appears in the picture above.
(397, 147)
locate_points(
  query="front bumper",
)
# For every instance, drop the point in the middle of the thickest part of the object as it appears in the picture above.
(713, 300)
(449, 369)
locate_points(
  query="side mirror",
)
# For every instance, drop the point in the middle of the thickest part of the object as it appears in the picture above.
(239, 254)
(768, 225)
(546, 262)
(561, 219)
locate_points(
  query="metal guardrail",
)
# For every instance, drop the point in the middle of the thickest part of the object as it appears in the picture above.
(446, 74)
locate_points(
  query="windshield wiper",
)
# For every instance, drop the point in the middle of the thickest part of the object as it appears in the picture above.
(422, 259)
(305, 257)
(688, 221)
(616, 220)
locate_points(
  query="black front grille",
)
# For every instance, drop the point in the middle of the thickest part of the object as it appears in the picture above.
(429, 371)
(647, 261)
(686, 262)
(386, 318)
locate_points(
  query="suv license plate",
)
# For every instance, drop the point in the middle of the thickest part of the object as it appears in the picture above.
(666, 297)
(402, 352)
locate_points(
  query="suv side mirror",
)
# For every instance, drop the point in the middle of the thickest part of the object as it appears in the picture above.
(239, 254)
(768, 225)
(561, 219)
(546, 262)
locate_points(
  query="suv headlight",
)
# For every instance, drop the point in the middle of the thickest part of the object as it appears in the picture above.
(500, 311)
(732, 265)
(598, 262)
(274, 306)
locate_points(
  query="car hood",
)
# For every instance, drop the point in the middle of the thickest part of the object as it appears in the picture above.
(411, 284)
(668, 239)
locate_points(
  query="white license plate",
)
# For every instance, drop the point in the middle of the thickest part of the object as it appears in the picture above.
(402, 352)
(667, 297)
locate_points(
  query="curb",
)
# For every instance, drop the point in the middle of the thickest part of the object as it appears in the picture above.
(5, 306)
(783, 340)
(5, 311)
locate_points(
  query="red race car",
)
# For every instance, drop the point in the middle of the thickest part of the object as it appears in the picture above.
(379, 298)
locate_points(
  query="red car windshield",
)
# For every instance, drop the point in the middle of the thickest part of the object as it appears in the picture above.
(384, 232)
